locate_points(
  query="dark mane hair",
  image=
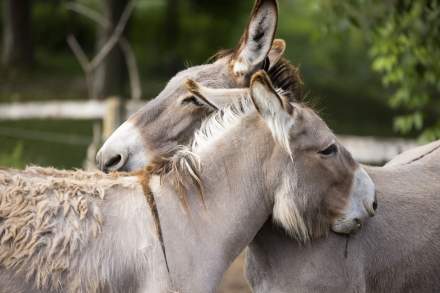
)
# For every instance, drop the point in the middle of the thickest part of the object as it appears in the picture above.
(283, 75)
(178, 168)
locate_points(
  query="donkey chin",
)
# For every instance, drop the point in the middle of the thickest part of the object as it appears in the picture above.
(361, 205)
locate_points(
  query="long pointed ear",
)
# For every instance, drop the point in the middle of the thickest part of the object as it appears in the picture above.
(276, 52)
(218, 97)
(197, 98)
(266, 100)
(273, 108)
(256, 42)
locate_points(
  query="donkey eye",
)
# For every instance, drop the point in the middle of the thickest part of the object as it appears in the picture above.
(329, 151)
(192, 100)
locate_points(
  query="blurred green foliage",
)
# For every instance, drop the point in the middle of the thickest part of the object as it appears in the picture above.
(404, 41)
(336, 67)
(13, 159)
(50, 145)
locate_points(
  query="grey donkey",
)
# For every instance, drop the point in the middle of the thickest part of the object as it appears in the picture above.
(408, 188)
(172, 117)
(397, 251)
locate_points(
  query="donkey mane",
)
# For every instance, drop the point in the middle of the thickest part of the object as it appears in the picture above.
(221, 121)
(283, 75)
(217, 123)
(175, 166)
(184, 161)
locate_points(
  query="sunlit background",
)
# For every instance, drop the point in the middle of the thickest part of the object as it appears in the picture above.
(353, 75)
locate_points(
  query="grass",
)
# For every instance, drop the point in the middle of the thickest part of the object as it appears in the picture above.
(19, 147)
(14, 158)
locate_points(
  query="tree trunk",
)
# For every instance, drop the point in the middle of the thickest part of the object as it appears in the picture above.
(17, 38)
(111, 76)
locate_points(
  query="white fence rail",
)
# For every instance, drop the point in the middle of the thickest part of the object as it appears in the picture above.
(78, 110)
(369, 150)
(53, 110)
(372, 150)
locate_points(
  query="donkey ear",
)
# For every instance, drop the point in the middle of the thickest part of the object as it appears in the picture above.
(276, 52)
(256, 42)
(273, 108)
(218, 97)
(197, 98)
(266, 100)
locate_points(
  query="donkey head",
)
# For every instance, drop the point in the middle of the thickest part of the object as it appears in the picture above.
(314, 181)
(172, 117)
(318, 182)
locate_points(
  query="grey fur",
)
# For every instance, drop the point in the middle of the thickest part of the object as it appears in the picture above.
(397, 251)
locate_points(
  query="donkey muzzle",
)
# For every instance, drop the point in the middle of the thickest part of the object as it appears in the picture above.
(124, 150)
(362, 204)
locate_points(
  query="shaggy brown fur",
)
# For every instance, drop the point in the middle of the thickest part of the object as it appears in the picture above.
(46, 217)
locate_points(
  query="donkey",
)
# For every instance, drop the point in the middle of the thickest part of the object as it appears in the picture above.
(397, 251)
(368, 261)
(172, 117)
(90, 232)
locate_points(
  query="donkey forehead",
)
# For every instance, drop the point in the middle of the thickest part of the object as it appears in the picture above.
(213, 75)
(312, 126)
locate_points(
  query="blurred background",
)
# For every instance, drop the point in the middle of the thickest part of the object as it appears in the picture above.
(371, 68)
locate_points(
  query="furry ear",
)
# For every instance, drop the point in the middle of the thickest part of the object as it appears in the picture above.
(256, 42)
(266, 100)
(197, 98)
(276, 52)
(217, 97)
(275, 110)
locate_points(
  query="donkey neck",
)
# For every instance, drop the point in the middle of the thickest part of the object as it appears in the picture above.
(203, 241)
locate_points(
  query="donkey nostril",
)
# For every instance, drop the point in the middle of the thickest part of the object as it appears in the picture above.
(375, 205)
(113, 162)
